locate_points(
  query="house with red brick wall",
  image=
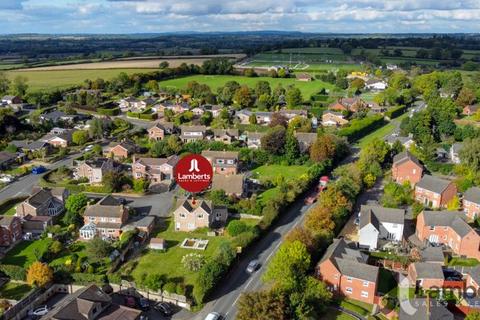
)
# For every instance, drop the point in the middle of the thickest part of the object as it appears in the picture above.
(95, 169)
(349, 104)
(406, 167)
(471, 203)
(104, 219)
(10, 230)
(155, 170)
(448, 228)
(120, 151)
(223, 162)
(426, 275)
(159, 130)
(345, 271)
(43, 202)
(435, 192)
(190, 215)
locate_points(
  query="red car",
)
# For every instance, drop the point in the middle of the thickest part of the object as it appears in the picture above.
(323, 183)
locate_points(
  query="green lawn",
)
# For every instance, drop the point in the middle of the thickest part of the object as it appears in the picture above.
(66, 254)
(275, 171)
(169, 263)
(268, 195)
(307, 88)
(359, 307)
(23, 254)
(59, 79)
(334, 314)
(14, 290)
(377, 134)
(464, 262)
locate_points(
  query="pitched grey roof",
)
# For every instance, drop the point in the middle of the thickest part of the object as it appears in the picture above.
(453, 219)
(231, 184)
(230, 132)
(172, 160)
(434, 184)
(350, 261)
(427, 270)
(106, 207)
(405, 156)
(433, 254)
(220, 154)
(472, 194)
(426, 309)
(377, 214)
(6, 156)
(193, 128)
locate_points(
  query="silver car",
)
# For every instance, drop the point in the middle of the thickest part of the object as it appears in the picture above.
(252, 266)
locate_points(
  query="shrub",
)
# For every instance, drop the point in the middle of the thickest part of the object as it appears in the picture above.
(395, 112)
(245, 238)
(193, 261)
(170, 287)
(109, 111)
(235, 227)
(86, 278)
(180, 289)
(361, 127)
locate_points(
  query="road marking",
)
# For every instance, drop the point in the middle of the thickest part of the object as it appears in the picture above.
(273, 251)
(248, 283)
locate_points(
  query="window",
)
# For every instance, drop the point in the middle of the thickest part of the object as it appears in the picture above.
(365, 294)
(432, 228)
(349, 279)
(182, 215)
(200, 216)
(348, 290)
(112, 220)
(230, 161)
(414, 171)
(365, 283)
(103, 219)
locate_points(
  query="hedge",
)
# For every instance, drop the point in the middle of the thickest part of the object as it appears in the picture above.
(6, 204)
(395, 112)
(359, 128)
(109, 111)
(319, 97)
(14, 272)
(87, 278)
(148, 116)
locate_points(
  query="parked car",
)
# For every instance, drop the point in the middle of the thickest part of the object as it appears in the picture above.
(130, 302)
(144, 303)
(40, 311)
(38, 170)
(164, 308)
(88, 148)
(252, 266)
(213, 316)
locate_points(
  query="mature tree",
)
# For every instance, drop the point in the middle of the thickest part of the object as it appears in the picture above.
(293, 97)
(98, 249)
(19, 86)
(164, 65)
(274, 140)
(80, 137)
(76, 202)
(262, 305)
(398, 81)
(243, 97)
(300, 124)
(152, 85)
(292, 149)
(335, 200)
(111, 181)
(174, 144)
(303, 235)
(323, 148)
(466, 97)
(55, 247)
(96, 128)
(4, 83)
(206, 118)
(289, 265)
(319, 221)
(252, 119)
(474, 315)
(470, 154)
(357, 84)
(311, 301)
(225, 94)
(39, 274)
(262, 87)
(278, 119)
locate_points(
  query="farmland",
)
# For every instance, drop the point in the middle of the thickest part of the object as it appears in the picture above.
(214, 82)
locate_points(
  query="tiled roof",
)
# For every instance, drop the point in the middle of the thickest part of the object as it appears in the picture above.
(434, 184)
(453, 219)
(231, 184)
(376, 215)
(472, 195)
(426, 270)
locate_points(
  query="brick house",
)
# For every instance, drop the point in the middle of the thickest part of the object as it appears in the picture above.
(190, 215)
(426, 275)
(10, 230)
(333, 119)
(305, 140)
(406, 167)
(448, 228)
(58, 139)
(225, 135)
(349, 104)
(159, 130)
(435, 192)
(192, 133)
(471, 203)
(120, 151)
(43, 202)
(223, 162)
(105, 219)
(95, 169)
(155, 170)
(345, 271)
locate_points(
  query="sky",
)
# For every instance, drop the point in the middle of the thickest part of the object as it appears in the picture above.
(157, 16)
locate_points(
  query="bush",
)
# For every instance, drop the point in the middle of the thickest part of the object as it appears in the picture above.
(14, 272)
(235, 227)
(148, 116)
(193, 261)
(395, 112)
(109, 111)
(86, 278)
(8, 203)
(170, 287)
(359, 128)
(244, 239)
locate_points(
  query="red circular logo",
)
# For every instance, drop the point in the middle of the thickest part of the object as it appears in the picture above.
(193, 173)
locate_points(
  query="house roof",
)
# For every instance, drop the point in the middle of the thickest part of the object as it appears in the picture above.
(426, 270)
(433, 254)
(188, 205)
(474, 107)
(255, 135)
(35, 145)
(220, 154)
(350, 261)
(231, 184)
(425, 309)
(40, 197)
(334, 113)
(97, 162)
(9, 97)
(54, 115)
(453, 219)
(404, 157)
(157, 241)
(6, 156)
(434, 184)
(472, 195)
(193, 128)
(162, 125)
(6, 221)
(172, 161)
(229, 132)
(306, 137)
(392, 138)
(376, 215)
(108, 206)
(127, 145)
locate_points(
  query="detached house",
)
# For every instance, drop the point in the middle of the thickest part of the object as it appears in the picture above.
(8, 100)
(305, 140)
(191, 215)
(406, 167)
(192, 133)
(105, 219)
(333, 119)
(58, 139)
(225, 135)
(95, 169)
(435, 192)
(449, 228)
(10, 230)
(471, 203)
(43, 202)
(376, 85)
(379, 223)
(254, 139)
(223, 162)
(159, 130)
(348, 104)
(120, 151)
(155, 170)
(346, 272)
(406, 142)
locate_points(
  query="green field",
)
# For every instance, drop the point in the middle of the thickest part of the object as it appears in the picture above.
(50, 80)
(275, 171)
(307, 88)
